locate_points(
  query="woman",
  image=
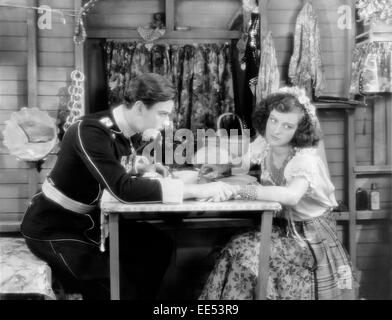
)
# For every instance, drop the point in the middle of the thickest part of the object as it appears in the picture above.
(307, 260)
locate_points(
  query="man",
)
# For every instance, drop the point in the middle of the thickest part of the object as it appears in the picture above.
(62, 223)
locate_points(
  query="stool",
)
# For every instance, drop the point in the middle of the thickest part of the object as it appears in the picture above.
(22, 274)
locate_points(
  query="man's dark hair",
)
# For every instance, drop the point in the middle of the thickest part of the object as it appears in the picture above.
(306, 135)
(149, 88)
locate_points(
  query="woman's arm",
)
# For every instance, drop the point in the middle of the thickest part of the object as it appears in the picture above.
(214, 191)
(289, 195)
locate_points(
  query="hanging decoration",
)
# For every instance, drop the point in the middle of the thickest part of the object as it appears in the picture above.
(305, 69)
(75, 104)
(153, 31)
(80, 30)
(374, 11)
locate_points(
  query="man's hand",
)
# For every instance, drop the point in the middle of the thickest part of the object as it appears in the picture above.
(145, 168)
(217, 191)
(162, 170)
(214, 171)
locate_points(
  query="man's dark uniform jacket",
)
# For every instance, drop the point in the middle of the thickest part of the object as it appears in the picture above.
(88, 162)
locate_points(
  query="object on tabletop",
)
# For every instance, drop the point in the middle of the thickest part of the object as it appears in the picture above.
(212, 172)
(227, 146)
(30, 134)
(186, 176)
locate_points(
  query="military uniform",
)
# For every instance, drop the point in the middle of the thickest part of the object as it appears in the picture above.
(62, 223)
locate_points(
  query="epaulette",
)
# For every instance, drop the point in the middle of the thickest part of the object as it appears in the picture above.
(107, 122)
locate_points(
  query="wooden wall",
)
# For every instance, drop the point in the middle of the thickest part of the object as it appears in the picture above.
(56, 60)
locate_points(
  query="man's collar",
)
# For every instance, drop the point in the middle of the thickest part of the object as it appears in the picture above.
(119, 118)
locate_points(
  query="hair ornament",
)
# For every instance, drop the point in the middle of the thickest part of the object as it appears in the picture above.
(303, 99)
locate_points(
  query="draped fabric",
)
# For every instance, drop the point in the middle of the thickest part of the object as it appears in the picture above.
(268, 79)
(372, 68)
(305, 69)
(201, 74)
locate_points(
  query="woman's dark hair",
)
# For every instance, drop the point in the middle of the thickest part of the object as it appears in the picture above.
(149, 88)
(307, 135)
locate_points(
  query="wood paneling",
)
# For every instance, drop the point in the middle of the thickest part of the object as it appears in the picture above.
(13, 28)
(56, 59)
(13, 14)
(13, 44)
(13, 58)
(12, 102)
(54, 45)
(13, 73)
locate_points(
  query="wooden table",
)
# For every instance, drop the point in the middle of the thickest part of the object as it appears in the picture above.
(186, 210)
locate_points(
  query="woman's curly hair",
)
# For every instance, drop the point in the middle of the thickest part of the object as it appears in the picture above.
(307, 135)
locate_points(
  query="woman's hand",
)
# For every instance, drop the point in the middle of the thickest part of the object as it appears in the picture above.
(217, 191)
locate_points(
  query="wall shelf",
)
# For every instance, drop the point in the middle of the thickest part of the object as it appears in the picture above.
(378, 31)
(365, 215)
(372, 170)
(118, 33)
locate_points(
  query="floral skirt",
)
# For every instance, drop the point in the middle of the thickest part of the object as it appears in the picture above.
(307, 264)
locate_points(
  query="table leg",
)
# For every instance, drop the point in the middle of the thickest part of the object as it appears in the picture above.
(114, 256)
(264, 254)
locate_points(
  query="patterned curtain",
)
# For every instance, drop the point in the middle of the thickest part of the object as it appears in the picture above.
(201, 74)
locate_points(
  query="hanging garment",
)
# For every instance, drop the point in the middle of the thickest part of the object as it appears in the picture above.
(161, 61)
(214, 89)
(250, 65)
(305, 69)
(202, 116)
(227, 83)
(372, 68)
(268, 79)
(185, 105)
(141, 60)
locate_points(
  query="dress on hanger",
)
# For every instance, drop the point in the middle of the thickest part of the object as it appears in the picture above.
(268, 79)
(305, 69)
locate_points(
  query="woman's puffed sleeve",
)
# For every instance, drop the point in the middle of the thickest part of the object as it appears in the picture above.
(304, 166)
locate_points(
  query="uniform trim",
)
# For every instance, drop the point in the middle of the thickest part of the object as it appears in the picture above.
(51, 192)
(55, 240)
(95, 167)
